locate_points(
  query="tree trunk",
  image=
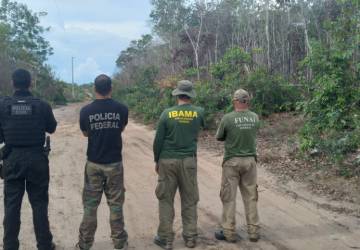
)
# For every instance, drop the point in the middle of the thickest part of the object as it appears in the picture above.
(217, 40)
(307, 41)
(196, 44)
(267, 33)
(306, 33)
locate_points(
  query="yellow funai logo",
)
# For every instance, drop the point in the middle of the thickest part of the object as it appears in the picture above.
(183, 114)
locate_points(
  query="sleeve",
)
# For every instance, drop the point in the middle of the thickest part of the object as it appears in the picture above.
(50, 122)
(126, 116)
(1, 135)
(83, 121)
(159, 137)
(202, 112)
(1, 132)
(258, 123)
(221, 132)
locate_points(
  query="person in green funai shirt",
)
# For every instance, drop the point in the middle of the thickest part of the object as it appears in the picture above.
(238, 129)
(175, 147)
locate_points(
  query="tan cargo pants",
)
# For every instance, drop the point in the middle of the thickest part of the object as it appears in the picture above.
(99, 179)
(239, 171)
(174, 174)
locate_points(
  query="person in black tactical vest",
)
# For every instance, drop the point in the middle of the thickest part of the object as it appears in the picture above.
(1, 152)
(24, 121)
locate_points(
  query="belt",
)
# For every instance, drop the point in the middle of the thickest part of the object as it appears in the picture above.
(26, 147)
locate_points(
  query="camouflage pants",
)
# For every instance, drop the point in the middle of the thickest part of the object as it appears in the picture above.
(174, 174)
(239, 171)
(99, 179)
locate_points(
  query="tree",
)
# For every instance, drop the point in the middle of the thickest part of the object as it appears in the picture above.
(26, 32)
(22, 44)
(332, 112)
(195, 42)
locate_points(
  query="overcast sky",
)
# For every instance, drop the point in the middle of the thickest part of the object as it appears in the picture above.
(93, 31)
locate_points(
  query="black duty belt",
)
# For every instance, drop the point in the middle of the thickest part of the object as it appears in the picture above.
(26, 147)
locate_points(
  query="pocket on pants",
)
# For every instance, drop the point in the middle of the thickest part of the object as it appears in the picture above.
(160, 190)
(9, 169)
(225, 192)
(257, 193)
(196, 196)
(191, 176)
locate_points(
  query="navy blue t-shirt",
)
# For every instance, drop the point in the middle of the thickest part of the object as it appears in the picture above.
(104, 121)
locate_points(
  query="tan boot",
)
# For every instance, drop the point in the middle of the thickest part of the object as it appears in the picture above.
(253, 232)
(254, 237)
(190, 243)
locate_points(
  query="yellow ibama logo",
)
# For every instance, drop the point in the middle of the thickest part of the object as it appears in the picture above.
(183, 114)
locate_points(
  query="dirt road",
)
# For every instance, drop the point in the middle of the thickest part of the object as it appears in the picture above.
(287, 222)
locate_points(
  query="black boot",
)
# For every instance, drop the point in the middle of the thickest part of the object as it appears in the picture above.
(164, 244)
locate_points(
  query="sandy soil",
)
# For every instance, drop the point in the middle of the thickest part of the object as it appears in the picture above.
(287, 222)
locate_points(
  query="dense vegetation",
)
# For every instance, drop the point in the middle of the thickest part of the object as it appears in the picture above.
(22, 45)
(291, 55)
(332, 106)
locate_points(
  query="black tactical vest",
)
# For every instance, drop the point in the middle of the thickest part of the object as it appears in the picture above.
(22, 123)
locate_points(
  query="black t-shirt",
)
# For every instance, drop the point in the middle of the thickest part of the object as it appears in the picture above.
(104, 121)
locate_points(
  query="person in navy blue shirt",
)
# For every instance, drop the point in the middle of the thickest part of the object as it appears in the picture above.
(103, 122)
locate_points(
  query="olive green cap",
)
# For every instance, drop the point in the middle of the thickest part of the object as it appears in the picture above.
(241, 95)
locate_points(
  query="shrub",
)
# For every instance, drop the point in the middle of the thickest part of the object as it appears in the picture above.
(145, 97)
(332, 112)
(271, 93)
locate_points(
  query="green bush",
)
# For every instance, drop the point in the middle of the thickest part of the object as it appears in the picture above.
(332, 112)
(270, 93)
(191, 72)
(233, 67)
(214, 99)
(145, 97)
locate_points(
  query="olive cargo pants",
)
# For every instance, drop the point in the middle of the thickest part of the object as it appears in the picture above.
(239, 171)
(99, 179)
(173, 174)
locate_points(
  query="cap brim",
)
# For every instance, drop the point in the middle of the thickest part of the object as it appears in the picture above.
(191, 94)
(242, 99)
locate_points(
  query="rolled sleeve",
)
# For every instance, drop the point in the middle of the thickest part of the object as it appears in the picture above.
(221, 132)
(159, 138)
(83, 121)
(125, 117)
(50, 121)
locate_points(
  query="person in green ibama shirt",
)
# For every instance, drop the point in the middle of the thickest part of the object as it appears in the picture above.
(175, 147)
(238, 130)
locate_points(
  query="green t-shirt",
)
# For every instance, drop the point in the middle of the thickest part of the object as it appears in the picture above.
(238, 130)
(177, 132)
